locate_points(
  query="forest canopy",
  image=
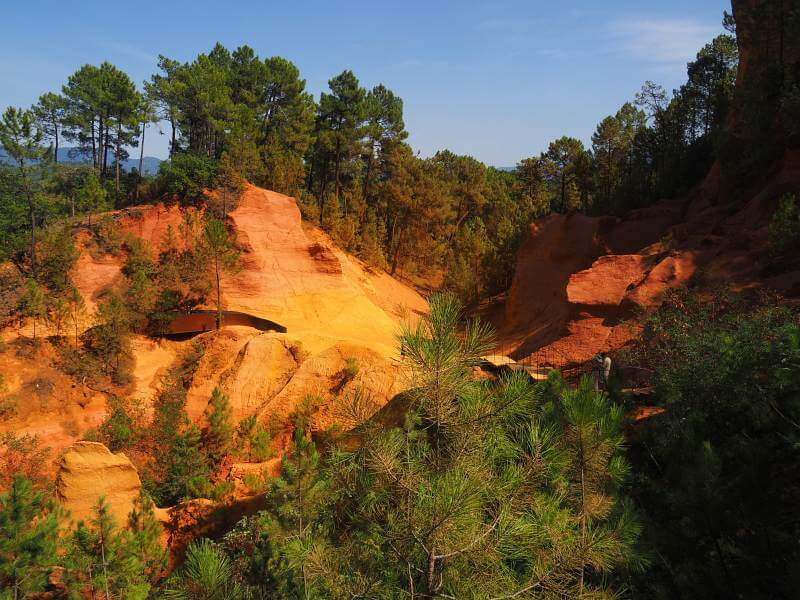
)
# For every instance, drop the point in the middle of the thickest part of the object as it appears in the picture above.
(233, 116)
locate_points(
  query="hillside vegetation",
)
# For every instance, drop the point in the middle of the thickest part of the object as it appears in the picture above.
(368, 446)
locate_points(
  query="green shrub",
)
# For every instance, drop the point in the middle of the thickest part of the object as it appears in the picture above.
(119, 431)
(351, 368)
(186, 175)
(108, 237)
(721, 459)
(784, 229)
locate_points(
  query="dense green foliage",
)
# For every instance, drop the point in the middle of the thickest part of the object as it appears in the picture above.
(234, 116)
(496, 488)
(481, 490)
(28, 539)
(722, 460)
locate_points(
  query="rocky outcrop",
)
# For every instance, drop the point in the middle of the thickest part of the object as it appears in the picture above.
(88, 471)
(300, 280)
(580, 281)
(332, 304)
(574, 281)
(607, 281)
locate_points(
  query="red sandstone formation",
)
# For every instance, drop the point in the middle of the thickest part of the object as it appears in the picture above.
(581, 281)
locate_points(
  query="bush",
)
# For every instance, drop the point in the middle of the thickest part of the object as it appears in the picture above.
(23, 455)
(186, 175)
(79, 365)
(119, 431)
(722, 458)
(351, 368)
(784, 229)
(108, 237)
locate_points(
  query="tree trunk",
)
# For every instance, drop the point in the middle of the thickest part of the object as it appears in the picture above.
(105, 568)
(55, 133)
(141, 158)
(323, 189)
(219, 296)
(172, 142)
(583, 518)
(431, 572)
(365, 189)
(141, 151)
(336, 169)
(105, 150)
(396, 256)
(116, 154)
(100, 146)
(94, 147)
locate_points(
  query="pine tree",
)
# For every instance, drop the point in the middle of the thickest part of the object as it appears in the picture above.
(28, 539)
(50, 112)
(497, 489)
(206, 574)
(286, 533)
(99, 563)
(219, 247)
(605, 527)
(57, 313)
(144, 538)
(33, 305)
(187, 470)
(253, 439)
(110, 338)
(77, 309)
(20, 137)
(218, 434)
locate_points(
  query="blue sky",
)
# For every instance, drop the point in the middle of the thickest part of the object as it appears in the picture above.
(497, 80)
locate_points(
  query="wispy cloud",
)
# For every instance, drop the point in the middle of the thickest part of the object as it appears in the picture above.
(521, 36)
(670, 42)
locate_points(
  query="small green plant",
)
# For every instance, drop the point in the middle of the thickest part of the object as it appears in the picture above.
(784, 229)
(347, 374)
(119, 431)
(253, 440)
(108, 237)
(8, 407)
(256, 482)
(351, 368)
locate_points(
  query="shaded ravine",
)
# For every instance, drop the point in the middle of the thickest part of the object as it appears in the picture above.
(186, 325)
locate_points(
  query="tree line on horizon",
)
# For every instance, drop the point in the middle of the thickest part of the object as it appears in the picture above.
(233, 116)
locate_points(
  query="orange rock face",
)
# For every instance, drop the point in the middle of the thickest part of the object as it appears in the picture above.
(320, 295)
(89, 470)
(334, 307)
(580, 281)
(607, 281)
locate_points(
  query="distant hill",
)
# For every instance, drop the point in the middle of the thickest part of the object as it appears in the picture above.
(72, 156)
